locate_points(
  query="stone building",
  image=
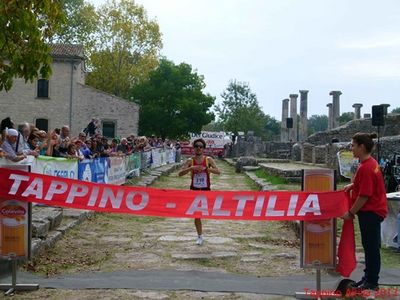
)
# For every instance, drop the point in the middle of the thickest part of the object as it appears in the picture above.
(64, 99)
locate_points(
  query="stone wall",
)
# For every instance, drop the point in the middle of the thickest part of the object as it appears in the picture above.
(66, 87)
(93, 102)
(344, 133)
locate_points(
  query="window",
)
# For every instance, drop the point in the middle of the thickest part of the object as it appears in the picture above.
(43, 88)
(109, 129)
(42, 124)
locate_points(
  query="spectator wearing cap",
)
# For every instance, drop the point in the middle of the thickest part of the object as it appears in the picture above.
(10, 144)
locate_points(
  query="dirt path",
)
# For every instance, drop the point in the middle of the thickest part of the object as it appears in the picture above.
(109, 242)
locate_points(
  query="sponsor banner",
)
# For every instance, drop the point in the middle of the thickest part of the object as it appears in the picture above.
(215, 142)
(15, 219)
(232, 205)
(347, 163)
(56, 166)
(213, 139)
(116, 170)
(158, 158)
(318, 236)
(145, 159)
(171, 155)
(187, 149)
(86, 170)
(132, 164)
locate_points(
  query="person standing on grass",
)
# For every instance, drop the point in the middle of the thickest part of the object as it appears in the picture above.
(200, 167)
(368, 196)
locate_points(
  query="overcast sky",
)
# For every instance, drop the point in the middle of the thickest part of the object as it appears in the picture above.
(282, 46)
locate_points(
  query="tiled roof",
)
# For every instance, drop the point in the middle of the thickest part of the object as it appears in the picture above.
(67, 50)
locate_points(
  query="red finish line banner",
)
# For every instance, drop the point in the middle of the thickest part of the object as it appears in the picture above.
(232, 205)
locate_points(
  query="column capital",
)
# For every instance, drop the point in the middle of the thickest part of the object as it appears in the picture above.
(335, 93)
(329, 105)
(293, 96)
(285, 100)
(303, 91)
(355, 105)
(385, 105)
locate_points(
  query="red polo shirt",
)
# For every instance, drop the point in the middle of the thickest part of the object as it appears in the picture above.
(368, 182)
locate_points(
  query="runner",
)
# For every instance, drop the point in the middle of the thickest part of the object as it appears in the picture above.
(200, 167)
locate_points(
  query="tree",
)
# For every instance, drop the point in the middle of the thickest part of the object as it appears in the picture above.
(239, 111)
(346, 117)
(126, 49)
(317, 123)
(396, 110)
(26, 27)
(172, 102)
(80, 26)
(272, 128)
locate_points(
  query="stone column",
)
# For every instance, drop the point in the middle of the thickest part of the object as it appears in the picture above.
(293, 115)
(285, 114)
(357, 110)
(335, 107)
(385, 109)
(330, 116)
(303, 131)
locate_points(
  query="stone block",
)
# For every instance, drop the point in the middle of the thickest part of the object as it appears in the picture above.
(37, 247)
(54, 215)
(40, 228)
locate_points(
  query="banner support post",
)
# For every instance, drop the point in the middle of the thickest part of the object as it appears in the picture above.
(14, 286)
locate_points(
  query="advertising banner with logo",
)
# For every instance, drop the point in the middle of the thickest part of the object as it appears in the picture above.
(145, 159)
(215, 142)
(347, 163)
(156, 158)
(87, 170)
(230, 205)
(15, 222)
(116, 170)
(318, 239)
(132, 164)
(171, 155)
(56, 166)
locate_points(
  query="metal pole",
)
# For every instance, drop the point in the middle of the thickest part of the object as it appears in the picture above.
(318, 280)
(379, 146)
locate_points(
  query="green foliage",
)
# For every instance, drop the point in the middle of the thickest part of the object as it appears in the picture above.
(275, 180)
(272, 128)
(346, 117)
(396, 110)
(26, 26)
(126, 48)
(317, 123)
(239, 111)
(172, 102)
(213, 126)
(80, 26)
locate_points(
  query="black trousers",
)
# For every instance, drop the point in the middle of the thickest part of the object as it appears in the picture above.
(370, 227)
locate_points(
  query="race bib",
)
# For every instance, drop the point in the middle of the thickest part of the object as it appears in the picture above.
(200, 180)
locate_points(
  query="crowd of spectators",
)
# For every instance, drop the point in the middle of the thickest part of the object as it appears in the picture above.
(17, 143)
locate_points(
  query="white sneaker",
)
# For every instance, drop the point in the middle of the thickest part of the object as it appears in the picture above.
(200, 240)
